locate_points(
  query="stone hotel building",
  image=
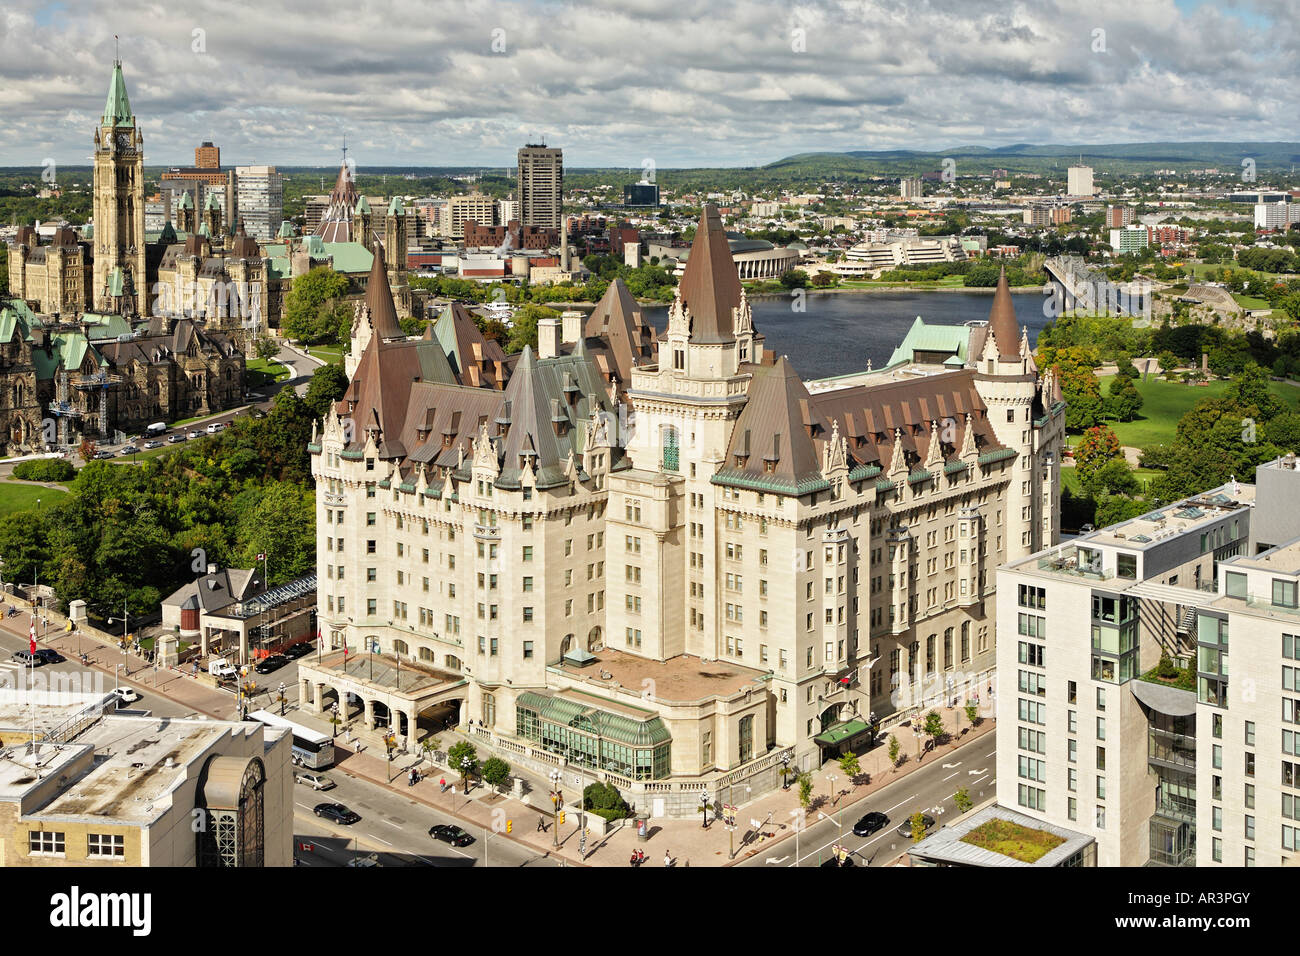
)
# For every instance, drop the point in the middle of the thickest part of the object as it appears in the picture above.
(663, 556)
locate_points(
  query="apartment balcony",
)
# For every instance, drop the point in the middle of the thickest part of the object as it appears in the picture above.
(1171, 750)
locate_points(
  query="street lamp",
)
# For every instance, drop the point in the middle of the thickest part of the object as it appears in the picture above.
(830, 779)
(704, 810)
(334, 714)
(282, 690)
(785, 771)
(466, 764)
(556, 777)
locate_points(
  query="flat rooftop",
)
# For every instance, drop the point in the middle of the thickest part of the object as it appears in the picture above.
(1183, 517)
(49, 709)
(903, 372)
(384, 671)
(946, 847)
(680, 678)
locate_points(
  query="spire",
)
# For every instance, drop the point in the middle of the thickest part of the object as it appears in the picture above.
(1002, 320)
(710, 286)
(117, 108)
(379, 300)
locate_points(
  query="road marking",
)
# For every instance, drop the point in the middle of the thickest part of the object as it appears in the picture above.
(978, 780)
(897, 805)
(974, 772)
(949, 766)
(395, 826)
(777, 861)
(950, 776)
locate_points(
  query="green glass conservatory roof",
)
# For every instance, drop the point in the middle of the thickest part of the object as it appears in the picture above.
(583, 716)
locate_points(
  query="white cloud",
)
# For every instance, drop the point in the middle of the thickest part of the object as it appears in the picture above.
(419, 84)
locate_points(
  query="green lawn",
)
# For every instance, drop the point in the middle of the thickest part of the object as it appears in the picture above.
(1250, 301)
(1070, 478)
(262, 372)
(1022, 843)
(327, 353)
(20, 497)
(1164, 403)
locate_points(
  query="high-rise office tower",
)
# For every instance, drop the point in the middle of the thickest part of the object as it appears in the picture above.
(1079, 181)
(541, 185)
(260, 200)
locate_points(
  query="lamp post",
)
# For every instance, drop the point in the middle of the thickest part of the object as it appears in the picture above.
(556, 777)
(830, 779)
(126, 664)
(785, 771)
(704, 810)
(282, 690)
(334, 714)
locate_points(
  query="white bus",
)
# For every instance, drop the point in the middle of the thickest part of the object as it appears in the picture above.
(311, 748)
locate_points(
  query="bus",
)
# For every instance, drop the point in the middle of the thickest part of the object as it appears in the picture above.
(311, 748)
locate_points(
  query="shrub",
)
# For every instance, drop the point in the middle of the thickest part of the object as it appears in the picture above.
(45, 469)
(495, 771)
(604, 800)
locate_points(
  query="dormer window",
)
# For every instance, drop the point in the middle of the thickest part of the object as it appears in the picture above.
(769, 466)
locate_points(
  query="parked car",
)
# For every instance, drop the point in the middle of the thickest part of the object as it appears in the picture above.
(869, 824)
(298, 650)
(126, 695)
(128, 450)
(336, 812)
(214, 428)
(49, 655)
(23, 657)
(174, 437)
(194, 433)
(317, 781)
(450, 834)
(153, 443)
(905, 828)
(272, 663)
(102, 454)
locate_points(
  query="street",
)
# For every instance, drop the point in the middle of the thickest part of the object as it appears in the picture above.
(928, 790)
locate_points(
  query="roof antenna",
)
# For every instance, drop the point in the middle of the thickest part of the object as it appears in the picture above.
(117, 55)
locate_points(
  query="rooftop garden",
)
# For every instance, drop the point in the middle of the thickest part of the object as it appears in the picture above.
(1014, 840)
(1171, 675)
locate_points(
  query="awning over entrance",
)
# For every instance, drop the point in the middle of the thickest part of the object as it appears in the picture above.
(841, 733)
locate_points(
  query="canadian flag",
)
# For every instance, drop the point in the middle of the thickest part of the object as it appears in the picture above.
(261, 556)
(31, 637)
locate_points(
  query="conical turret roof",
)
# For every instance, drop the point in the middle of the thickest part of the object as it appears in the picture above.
(1002, 320)
(710, 284)
(379, 299)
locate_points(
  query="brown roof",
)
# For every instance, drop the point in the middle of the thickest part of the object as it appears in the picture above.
(379, 394)
(336, 223)
(1002, 320)
(775, 432)
(379, 300)
(710, 284)
(624, 333)
(244, 246)
(476, 359)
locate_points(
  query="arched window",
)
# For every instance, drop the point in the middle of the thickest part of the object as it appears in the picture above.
(426, 654)
(453, 662)
(747, 738)
(489, 710)
(400, 647)
(566, 645)
(593, 639)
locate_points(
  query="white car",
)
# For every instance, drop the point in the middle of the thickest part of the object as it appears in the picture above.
(214, 428)
(126, 695)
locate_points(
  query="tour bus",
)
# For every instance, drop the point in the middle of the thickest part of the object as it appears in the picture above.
(311, 748)
(157, 428)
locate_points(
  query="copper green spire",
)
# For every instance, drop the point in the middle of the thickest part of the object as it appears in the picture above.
(117, 109)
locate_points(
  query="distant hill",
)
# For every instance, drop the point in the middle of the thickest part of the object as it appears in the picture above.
(1112, 158)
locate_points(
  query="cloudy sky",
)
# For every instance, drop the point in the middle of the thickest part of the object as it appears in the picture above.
(465, 82)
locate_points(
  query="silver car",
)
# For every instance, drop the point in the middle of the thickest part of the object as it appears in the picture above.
(317, 781)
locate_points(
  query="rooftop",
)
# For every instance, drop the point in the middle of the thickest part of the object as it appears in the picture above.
(384, 671)
(1182, 517)
(950, 847)
(680, 678)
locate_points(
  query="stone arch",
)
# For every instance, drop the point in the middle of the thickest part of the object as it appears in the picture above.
(593, 638)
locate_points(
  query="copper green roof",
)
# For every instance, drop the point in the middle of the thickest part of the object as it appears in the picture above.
(212, 202)
(117, 109)
(115, 281)
(842, 732)
(186, 201)
(931, 338)
(776, 484)
(15, 316)
(395, 207)
(997, 455)
(348, 256)
(362, 207)
(286, 230)
(864, 471)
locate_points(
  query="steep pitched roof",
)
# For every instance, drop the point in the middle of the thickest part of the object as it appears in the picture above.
(1002, 320)
(624, 333)
(773, 440)
(476, 359)
(117, 108)
(336, 223)
(379, 300)
(710, 285)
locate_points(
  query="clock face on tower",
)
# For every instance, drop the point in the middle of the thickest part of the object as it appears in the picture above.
(124, 140)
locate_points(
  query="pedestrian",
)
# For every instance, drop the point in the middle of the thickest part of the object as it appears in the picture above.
(632, 862)
(640, 856)
(541, 827)
(668, 860)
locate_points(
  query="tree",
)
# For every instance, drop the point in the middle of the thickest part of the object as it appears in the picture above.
(1112, 478)
(496, 772)
(309, 308)
(962, 799)
(934, 725)
(894, 748)
(1125, 368)
(918, 827)
(972, 713)
(805, 790)
(266, 347)
(328, 384)
(850, 765)
(524, 329)
(1098, 445)
(1167, 361)
(1124, 400)
(463, 759)
(794, 279)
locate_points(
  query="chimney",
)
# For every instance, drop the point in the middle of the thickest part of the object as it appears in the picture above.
(548, 338)
(212, 569)
(572, 320)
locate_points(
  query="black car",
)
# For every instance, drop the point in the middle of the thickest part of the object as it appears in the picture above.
(869, 824)
(848, 861)
(272, 663)
(49, 655)
(23, 657)
(298, 650)
(905, 828)
(336, 812)
(450, 834)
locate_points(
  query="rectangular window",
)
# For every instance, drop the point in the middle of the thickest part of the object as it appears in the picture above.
(45, 843)
(1284, 593)
(105, 845)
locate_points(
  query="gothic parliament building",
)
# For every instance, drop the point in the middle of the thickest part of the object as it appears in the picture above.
(81, 344)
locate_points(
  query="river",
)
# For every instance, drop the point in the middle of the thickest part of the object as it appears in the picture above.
(839, 331)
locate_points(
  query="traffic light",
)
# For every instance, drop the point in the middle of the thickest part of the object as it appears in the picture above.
(561, 817)
(510, 825)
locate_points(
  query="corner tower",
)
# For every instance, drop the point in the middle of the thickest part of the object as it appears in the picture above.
(118, 196)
